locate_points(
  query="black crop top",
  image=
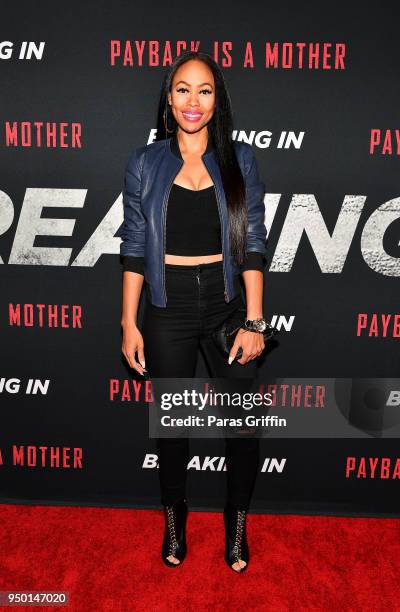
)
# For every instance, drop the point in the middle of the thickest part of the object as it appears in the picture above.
(192, 214)
(193, 228)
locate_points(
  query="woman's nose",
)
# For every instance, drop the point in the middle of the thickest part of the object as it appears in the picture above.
(194, 100)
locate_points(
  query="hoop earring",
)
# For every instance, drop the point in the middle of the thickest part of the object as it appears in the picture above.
(165, 122)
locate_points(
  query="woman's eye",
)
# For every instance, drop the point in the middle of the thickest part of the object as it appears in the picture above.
(184, 89)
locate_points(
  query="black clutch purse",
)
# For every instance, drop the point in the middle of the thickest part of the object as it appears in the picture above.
(224, 335)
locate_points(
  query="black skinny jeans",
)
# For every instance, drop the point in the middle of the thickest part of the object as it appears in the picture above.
(172, 336)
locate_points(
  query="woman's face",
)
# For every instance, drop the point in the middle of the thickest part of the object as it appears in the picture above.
(192, 95)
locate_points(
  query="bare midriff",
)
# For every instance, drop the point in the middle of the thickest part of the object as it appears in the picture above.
(192, 260)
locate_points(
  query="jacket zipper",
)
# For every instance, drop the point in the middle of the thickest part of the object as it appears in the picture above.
(226, 297)
(165, 231)
(223, 243)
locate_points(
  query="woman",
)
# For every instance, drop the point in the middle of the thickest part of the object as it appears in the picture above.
(193, 223)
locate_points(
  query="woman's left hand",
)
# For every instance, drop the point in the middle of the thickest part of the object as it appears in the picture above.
(252, 344)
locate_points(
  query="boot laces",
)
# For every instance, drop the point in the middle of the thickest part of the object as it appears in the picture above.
(237, 549)
(173, 545)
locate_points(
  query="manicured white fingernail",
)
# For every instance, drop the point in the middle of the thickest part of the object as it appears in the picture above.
(230, 360)
(142, 363)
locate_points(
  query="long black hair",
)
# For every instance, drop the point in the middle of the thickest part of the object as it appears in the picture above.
(220, 131)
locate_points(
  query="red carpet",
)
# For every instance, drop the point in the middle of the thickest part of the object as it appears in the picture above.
(109, 560)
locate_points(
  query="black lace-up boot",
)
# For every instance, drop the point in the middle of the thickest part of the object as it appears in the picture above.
(174, 542)
(236, 547)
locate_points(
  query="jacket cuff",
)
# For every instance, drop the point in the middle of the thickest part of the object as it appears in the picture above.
(133, 264)
(254, 261)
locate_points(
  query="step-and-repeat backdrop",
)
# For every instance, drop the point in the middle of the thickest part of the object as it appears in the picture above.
(315, 91)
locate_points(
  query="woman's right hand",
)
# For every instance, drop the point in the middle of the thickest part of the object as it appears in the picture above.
(133, 342)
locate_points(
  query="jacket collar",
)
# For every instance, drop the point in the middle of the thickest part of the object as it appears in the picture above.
(174, 145)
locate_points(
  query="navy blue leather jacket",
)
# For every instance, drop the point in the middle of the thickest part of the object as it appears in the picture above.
(149, 175)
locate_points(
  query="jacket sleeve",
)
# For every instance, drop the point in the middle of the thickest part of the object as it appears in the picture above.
(253, 261)
(133, 264)
(255, 192)
(134, 224)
